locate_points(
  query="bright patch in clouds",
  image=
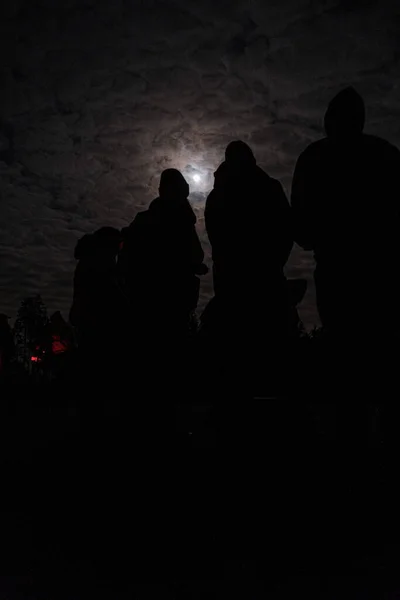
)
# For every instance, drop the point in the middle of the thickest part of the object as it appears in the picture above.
(125, 90)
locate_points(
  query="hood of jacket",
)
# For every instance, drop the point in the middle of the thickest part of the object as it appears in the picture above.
(345, 116)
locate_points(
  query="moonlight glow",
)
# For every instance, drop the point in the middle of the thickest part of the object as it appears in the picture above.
(90, 118)
(197, 178)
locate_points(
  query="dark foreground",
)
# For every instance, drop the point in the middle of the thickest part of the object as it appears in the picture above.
(252, 499)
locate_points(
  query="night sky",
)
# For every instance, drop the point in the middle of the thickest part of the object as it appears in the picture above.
(99, 96)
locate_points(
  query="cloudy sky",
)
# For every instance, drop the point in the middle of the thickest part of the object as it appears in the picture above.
(99, 96)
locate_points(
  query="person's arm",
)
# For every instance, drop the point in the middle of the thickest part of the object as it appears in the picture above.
(196, 252)
(216, 224)
(284, 227)
(209, 216)
(301, 203)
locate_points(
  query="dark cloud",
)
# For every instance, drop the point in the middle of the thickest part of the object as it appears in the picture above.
(97, 97)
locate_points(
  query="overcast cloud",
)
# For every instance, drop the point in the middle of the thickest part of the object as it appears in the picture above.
(98, 97)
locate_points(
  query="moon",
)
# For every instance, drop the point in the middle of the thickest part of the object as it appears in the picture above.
(196, 178)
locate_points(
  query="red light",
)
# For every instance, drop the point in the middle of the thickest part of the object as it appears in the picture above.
(34, 358)
(58, 347)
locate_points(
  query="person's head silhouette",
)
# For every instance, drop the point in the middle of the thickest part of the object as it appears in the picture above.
(108, 240)
(173, 185)
(239, 154)
(104, 242)
(84, 247)
(345, 116)
(57, 317)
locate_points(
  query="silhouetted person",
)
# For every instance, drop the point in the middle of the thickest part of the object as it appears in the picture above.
(212, 316)
(99, 307)
(161, 259)
(296, 289)
(345, 204)
(247, 219)
(6, 343)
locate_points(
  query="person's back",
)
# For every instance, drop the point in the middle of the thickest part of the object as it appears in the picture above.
(98, 305)
(162, 255)
(248, 223)
(345, 209)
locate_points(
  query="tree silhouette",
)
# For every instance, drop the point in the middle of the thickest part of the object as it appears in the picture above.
(29, 327)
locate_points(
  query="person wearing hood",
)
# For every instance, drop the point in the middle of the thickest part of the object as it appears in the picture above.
(247, 218)
(99, 305)
(345, 209)
(162, 256)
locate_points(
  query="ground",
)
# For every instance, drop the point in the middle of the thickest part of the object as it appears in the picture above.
(273, 499)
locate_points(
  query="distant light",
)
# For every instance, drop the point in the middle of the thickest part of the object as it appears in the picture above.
(196, 178)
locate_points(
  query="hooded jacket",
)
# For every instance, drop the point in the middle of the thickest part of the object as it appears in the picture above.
(97, 299)
(345, 189)
(163, 253)
(345, 207)
(248, 224)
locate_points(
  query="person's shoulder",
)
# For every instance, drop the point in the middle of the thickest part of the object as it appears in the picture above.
(261, 173)
(314, 150)
(277, 192)
(261, 179)
(275, 187)
(186, 214)
(142, 216)
(271, 182)
(381, 146)
(274, 183)
(212, 199)
(138, 226)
